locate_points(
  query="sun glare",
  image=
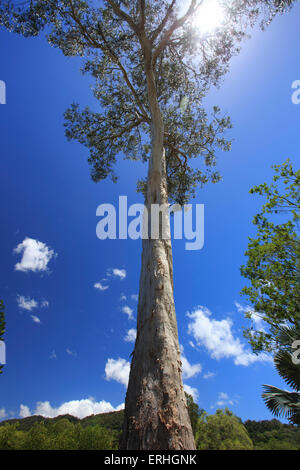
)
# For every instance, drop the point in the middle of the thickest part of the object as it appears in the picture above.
(210, 16)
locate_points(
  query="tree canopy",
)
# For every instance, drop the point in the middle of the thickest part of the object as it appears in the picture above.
(194, 411)
(273, 257)
(222, 431)
(113, 37)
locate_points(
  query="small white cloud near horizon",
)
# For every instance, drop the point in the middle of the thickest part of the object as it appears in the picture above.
(3, 413)
(26, 303)
(191, 391)
(189, 370)
(118, 370)
(24, 411)
(35, 255)
(217, 338)
(100, 286)
(78, 408)
(128, 311)
(131, 336)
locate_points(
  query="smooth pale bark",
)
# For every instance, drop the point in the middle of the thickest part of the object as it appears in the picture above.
(156, 415)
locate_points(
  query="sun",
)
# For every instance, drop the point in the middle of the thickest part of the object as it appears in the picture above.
(210, 16)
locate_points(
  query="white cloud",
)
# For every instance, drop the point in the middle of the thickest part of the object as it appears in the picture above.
(53, 355)
(44, 304)
(71, 353)
(123, 298)
(217, 337)
(35, 319)
(3, 413)
(118, 370)
(209, 375)
(26, 303)
(100, 286)
(131, 336)
(35, 255)
(24, 411)
(189, 370)
(191, 391)
(116, 272)
(78, 408)
(135, 297)
(255, 317)
(224, 400)
(128, 311)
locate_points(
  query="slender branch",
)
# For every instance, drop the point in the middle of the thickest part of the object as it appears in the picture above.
(160, 28)
(110, 137)
(177, 152)
(116, 59)
(123, 15)
(142, 15)
(177, 24)
(107, 50)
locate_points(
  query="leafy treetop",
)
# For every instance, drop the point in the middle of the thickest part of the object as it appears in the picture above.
(273, 264)
(115, 38)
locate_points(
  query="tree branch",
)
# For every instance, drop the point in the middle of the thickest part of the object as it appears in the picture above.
(110, 137)
(177, 24)
(116, 59)
(142, 15)
(123, 15)
(160, 28)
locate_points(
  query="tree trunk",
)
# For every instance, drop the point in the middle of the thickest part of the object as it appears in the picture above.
(156, 414)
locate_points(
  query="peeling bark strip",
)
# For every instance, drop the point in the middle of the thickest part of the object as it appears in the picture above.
(156, 415)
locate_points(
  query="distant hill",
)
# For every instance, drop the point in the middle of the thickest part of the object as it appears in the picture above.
(265, 435)
(273, 435)
(111, 421)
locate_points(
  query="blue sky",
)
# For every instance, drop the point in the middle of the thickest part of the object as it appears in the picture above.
(66, 351)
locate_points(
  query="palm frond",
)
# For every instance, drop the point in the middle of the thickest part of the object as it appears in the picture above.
(289, 371)
(282, 403)
(287, 335)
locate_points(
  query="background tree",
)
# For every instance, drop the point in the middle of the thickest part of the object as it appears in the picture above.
(194, 411)
(287, 362)
(273, 265)
(2, 327)
(222, 431)
(152, 67)
(273, 435)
